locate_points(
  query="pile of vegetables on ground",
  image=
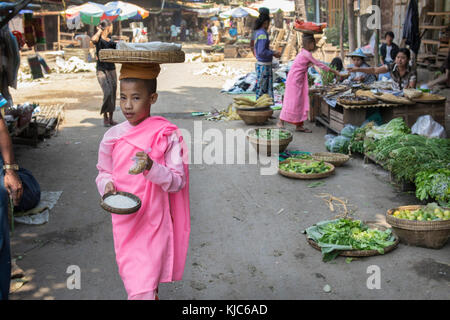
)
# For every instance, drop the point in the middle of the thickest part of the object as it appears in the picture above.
(309, 167)
(272, 134)
(431, 212)
(411, 158)
(345, 234)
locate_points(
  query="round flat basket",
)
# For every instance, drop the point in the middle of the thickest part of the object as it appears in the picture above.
(266, 146)
(256, 116)
(336, 159)
(390, 98)
(121, 210)
(428, 234)
(364, 102)
(302, 176)
(430, 98)
(361, 253)
(141, 56)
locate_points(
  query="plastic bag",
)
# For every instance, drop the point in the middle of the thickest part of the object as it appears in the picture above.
(337, 144)
(348, 131)
(426, 126)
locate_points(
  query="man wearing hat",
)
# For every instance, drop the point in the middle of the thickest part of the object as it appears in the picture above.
(358, 59)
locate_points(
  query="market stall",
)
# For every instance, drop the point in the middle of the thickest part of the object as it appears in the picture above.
(333, 110)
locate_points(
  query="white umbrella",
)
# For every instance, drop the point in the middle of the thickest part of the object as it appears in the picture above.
(239, 12)
(277, 5)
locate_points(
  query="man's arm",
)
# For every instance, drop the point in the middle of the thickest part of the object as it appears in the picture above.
(12, 181)
(96, 37)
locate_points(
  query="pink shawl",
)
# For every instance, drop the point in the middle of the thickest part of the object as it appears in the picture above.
(151, 245)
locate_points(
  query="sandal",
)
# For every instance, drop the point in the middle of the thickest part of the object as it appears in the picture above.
(106, 123)
(304, 130)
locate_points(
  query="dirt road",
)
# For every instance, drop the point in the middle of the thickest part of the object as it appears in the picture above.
(246, 240)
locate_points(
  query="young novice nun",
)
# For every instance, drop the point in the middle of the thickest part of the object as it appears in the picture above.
(151, 244)
(296, 99)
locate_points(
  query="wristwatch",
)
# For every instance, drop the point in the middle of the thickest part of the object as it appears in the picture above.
(14, 167)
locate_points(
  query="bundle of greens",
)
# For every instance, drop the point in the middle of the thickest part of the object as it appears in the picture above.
(305, 167)
(344, 234)
(406, 155)
(357, 140)
(327, 77)
(434, 185)
(395, 127)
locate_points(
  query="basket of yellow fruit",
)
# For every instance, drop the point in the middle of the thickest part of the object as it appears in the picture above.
(423, 226)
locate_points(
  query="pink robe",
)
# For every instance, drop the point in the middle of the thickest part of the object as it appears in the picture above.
(150, 245)
(296, 98)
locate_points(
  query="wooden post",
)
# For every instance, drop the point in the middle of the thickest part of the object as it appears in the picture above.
(351, 25)
(377, 41)
(341, 38)
(59, 32)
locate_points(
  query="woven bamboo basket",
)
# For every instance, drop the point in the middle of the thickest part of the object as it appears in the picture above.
(266, 146)
(362, 253)
(430, 98)
(390, 98)
(302, 176)
(336, 159)
(141, 56)
(255, 117)
(428, 234)
(121, 211)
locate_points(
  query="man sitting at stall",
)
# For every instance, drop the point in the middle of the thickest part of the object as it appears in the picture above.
(402, 74)
(358, 59)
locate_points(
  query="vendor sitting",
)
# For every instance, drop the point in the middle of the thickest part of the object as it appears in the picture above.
(402, 74)
(359, 61)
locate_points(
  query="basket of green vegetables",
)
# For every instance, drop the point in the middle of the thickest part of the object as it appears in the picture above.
(305, 169)
(350, 238)
(270, 140)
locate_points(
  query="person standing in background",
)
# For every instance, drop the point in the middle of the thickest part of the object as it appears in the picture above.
(106, 72)
(264, 56)
(389, 50)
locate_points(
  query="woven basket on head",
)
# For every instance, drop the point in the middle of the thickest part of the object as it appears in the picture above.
(361, 253)
(306, 176)
(141, 56)
(428, 234)
(255, 117)
(336, 159)
(266, 146)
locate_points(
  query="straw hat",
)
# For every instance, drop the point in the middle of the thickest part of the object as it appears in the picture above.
(357, 53)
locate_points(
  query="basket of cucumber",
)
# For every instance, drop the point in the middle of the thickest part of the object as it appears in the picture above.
(305, 169)
(423, 226)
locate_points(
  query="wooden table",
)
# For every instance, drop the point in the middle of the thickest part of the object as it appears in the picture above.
(334, 119)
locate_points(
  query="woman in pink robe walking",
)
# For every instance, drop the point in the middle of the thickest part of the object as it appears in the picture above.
(296, 99)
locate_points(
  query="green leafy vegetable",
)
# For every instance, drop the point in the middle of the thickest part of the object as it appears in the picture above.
(344, 234)
(272, 134)
(305, 168)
